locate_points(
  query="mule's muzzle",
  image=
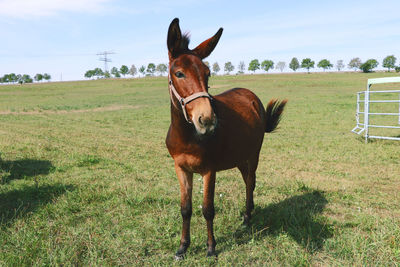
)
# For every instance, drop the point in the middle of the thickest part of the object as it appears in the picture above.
(208, 123)
(205, 123)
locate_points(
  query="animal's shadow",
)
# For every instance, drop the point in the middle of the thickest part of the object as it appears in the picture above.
(19, 169)
(296, 216)
(25, 199)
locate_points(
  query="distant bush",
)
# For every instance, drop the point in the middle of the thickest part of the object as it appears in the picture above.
(397, 69)
(14, 78)
(369, 65)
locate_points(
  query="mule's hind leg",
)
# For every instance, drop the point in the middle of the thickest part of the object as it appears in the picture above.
(209, 211)
(248, 170)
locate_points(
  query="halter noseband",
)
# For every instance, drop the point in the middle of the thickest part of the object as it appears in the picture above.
(183, 101)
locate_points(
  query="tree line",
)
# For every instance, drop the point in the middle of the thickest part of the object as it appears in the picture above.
(388, 62)
(115, 72)
(24, 78)
(152, 69)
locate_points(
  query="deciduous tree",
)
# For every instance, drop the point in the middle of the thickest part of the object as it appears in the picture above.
(354, 63)
(216, 68)
(267, 65)
(98, 72)
(124, 70)
(228, 67)
(47, 77)
(38, 77)
(5, 78)
(369, 65)
(24, 79)
(339, 65)
(294, 64)
(241, 67)
(133, 70)
(254, 65)
(307, 63)
(89, 74)
(161, 68)
(142, 70)
(12, 77)
(280, 65)
(325, 64)
(151, 68)
(115, 72)
(389, 62)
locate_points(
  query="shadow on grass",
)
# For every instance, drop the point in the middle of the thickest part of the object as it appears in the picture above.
(296, 216)
(19, 169)
(21, 202)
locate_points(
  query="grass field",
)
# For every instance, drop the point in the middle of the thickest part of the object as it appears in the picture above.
(86, 179)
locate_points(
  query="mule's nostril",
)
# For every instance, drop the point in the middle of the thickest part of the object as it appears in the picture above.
(200, 120)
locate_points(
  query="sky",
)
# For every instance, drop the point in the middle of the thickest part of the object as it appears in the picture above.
(62, 37)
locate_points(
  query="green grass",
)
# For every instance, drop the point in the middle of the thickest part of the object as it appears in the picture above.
(86, 179)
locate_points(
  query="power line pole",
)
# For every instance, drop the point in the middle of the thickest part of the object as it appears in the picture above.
(105, 58)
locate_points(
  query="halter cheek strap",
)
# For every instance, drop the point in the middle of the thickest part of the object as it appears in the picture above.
(184, 101)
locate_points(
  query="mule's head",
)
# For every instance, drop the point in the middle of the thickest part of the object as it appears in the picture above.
(189, 76)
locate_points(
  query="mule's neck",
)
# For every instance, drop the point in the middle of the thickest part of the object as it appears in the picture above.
(180, 127)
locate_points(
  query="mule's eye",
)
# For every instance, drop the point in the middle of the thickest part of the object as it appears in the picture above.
(179, 74)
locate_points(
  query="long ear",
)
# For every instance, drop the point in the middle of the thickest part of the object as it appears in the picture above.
(174, 38)
(204, 49)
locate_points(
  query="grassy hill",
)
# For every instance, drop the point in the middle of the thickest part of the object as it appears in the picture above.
(86, 178)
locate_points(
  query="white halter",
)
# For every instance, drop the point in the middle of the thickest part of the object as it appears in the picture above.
(183, 101)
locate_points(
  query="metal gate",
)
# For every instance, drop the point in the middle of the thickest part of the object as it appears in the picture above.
(366, 98)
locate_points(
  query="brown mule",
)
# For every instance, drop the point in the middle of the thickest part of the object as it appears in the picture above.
(211, 133)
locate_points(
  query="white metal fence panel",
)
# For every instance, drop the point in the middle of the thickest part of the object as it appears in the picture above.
(364, 97)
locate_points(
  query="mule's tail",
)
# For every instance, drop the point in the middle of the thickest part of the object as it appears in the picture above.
(273, 114)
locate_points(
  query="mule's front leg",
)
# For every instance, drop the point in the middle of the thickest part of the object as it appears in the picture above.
(186, 185)
(208, 210)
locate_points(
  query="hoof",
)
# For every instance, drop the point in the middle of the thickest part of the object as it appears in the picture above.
(246, 222)
(212, 254)
(179, 256)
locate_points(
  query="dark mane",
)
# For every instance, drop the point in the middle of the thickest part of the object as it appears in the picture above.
(185, 41)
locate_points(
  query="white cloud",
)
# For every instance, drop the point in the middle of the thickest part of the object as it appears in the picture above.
(42, 8)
